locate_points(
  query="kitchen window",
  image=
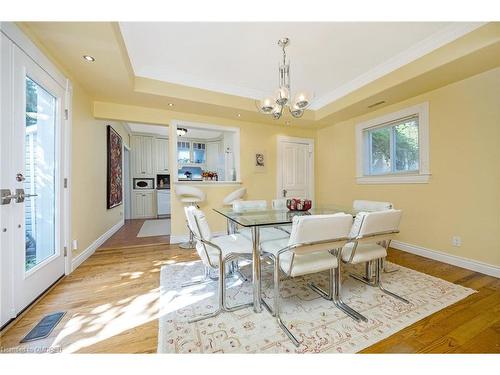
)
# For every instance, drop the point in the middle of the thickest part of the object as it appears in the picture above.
(394, 148)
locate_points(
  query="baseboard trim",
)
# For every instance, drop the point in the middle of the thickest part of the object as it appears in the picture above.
(82, 257)
(470, 264)
(180, 238)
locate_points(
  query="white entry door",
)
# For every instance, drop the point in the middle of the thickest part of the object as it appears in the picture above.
(31, 179)
(295, 168)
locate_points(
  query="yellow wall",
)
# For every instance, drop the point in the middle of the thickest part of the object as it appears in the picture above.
(90, 218)
(463, 195)
(253, 137)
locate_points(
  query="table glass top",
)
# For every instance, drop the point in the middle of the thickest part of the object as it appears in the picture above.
(263, 217)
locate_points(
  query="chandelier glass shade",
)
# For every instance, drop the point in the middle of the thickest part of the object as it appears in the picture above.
(181, 131)
(275, 105)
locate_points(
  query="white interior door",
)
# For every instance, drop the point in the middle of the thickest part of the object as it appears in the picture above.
(32, 170)
(295, 168)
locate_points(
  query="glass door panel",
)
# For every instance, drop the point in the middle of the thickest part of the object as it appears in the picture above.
(39, 174)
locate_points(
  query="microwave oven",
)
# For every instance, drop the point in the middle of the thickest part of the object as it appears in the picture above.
(144, 183)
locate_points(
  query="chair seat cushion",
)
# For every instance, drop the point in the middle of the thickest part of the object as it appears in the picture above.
(266, 234)
(364, 252)
(303, 264)
(234, 243)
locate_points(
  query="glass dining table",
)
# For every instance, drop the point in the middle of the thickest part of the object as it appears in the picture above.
(257, 218)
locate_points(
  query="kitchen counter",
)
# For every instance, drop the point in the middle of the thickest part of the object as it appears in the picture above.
(208, 182)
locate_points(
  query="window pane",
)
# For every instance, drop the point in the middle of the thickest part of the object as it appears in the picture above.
(406, 146)
(39, 174)
(183, 152)
(380, 151)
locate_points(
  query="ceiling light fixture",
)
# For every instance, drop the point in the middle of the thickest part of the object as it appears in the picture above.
(170, 104)
(239, 115)
(181, 131)
(88, 58)
(274, 105)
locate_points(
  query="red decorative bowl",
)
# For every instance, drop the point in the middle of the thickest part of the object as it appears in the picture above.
(296, 204)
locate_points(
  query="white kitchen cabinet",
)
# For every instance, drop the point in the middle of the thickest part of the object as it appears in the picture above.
(142, 155)
(163, 202)
(144, 204)
(161, 147)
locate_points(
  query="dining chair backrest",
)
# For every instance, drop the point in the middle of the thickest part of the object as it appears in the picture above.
(314, 233)
(198, 224)
(278, 204)
(377, 226)
(362, 205)
(249, 205)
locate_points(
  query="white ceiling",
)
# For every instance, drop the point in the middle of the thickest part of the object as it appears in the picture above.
(331, 59)
(201, 133)
(150, 129)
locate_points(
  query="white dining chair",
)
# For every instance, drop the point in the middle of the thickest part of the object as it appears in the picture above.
(280, 204)
(373, 234)
(215, 252)
(266, 233)
(371, 206)
(314, 246)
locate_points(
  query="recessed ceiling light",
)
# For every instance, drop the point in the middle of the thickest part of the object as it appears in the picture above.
(89, 58)
(170, 104)
(239, 115)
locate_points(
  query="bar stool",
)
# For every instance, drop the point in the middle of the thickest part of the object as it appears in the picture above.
(190, 196)
(232, 197)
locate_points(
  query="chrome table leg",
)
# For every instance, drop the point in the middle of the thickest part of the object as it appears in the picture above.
(256, 269)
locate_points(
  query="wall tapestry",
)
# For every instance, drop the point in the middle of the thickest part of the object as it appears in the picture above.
(115, 173)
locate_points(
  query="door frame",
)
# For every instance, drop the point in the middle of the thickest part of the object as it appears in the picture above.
(279, 166)
(127, 184)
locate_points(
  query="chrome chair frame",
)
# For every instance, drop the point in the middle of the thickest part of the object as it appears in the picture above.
(377, 282)
(334, 285)
(222, 302)
(190, 244)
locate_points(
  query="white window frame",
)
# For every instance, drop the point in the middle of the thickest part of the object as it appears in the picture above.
(422, 176)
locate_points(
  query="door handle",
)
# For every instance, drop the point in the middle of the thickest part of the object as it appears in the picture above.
(284, 193)
(6, 196)
(21, 196)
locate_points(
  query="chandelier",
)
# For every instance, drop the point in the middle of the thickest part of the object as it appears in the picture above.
(275, 105)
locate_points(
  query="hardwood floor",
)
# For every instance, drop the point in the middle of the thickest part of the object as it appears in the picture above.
(112, 307)
(127, 236)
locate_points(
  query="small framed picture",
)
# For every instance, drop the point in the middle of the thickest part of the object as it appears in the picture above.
(259, 160)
